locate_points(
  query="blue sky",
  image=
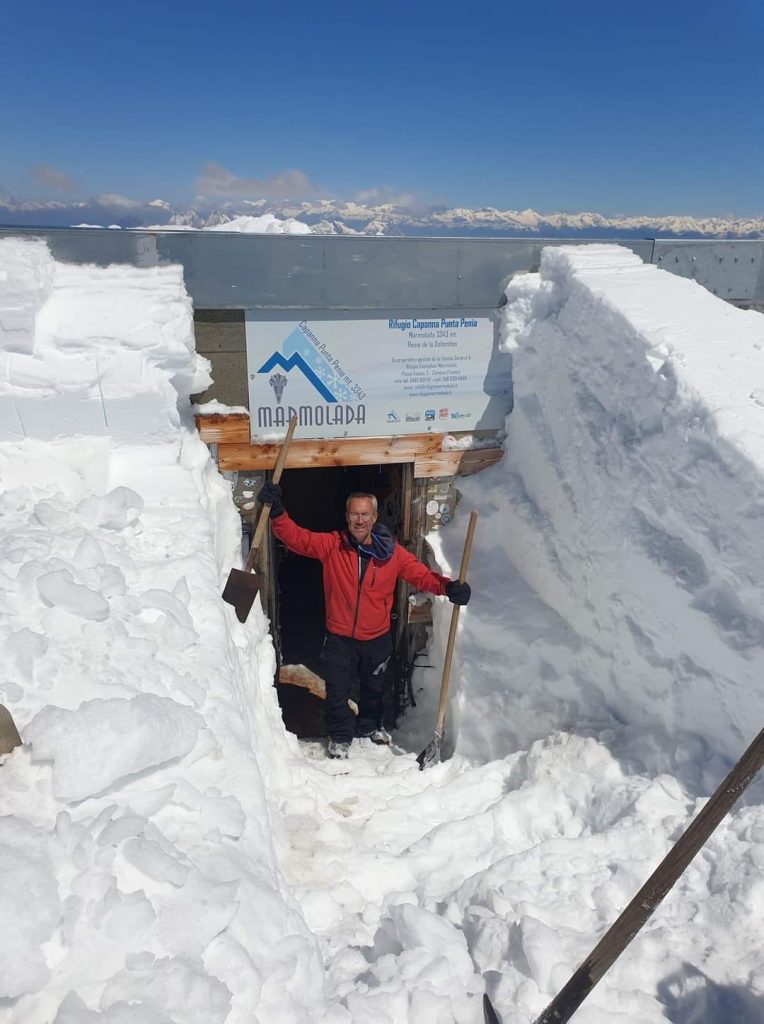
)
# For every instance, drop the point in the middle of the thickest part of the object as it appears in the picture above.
(633, 108)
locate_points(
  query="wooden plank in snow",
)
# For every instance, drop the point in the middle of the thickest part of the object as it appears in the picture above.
(231, 428)
(299, 675)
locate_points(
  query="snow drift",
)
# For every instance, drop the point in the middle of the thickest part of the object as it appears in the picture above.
(137, 872)
(629, 579)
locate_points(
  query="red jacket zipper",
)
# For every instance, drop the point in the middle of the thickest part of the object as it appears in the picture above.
(358, 595)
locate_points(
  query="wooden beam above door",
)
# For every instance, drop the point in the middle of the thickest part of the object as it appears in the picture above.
(230, 432)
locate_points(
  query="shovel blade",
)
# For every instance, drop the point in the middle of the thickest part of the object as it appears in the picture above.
(489, 1013)
(241, 590)
(9, 734)
(431, 753)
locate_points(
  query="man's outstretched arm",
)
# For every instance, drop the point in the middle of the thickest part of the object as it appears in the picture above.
(297, 538)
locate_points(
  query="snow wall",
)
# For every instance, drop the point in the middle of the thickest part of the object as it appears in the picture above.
(138, 878)
(621, 543)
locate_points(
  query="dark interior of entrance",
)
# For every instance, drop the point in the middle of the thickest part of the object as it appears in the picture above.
(316, 499)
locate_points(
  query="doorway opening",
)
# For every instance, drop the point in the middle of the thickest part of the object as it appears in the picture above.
(316, 500)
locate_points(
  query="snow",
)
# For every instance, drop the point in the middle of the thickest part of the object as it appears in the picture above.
(27, 880)
(216, 408)
(92, 350)
(169, 855)
(469, 442)
(58, 589)
(267, 224)
(103, 741)
(629, 505)
(148, 887)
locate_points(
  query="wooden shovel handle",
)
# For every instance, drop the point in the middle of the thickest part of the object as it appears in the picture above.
(266, 509)
(467, 548)
(674, 864)
(442, 702)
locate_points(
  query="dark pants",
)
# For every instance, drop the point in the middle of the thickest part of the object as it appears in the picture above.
(344, 663)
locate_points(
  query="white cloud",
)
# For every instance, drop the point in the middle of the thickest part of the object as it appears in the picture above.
(384, 195)
(215, 180)
(52, 177)
(120, 201)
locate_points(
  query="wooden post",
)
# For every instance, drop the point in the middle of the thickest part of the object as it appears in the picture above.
(628, 924)
(407, 487)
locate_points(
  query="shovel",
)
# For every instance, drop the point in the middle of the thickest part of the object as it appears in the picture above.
(431, 753)
(489, 1013)
(242, 585)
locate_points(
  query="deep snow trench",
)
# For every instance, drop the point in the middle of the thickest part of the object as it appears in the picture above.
(168, 853)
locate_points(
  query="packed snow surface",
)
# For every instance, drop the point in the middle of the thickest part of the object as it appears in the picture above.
(169, 855)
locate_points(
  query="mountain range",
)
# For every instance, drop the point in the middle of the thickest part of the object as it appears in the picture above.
(330, 216)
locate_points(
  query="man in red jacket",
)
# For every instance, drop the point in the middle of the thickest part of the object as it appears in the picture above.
(360, 568)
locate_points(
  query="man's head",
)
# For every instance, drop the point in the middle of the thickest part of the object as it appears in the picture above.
(361, 515)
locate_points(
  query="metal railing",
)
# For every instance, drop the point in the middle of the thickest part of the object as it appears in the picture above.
(227, 270)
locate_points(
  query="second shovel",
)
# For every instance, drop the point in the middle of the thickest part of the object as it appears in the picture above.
(431, 753)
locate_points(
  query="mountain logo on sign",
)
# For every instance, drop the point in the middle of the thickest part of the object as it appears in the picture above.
(297, 361)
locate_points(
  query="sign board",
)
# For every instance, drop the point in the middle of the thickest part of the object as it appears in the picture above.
(374, 377)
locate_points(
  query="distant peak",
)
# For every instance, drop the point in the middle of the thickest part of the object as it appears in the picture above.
(354, 217)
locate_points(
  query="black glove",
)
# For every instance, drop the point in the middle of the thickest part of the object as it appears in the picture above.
(458, 593)
(270, 494)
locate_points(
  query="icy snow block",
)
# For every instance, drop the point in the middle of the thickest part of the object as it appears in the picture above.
(74, 1011)
(179, 986)
(141, 419)
(148, 856)
(115, 510)
(11, 427)
(58, 589)
(104, 741)
(51, 374)
(29, 901)
(24, 647)
(140, 403)
(17, 328)
(64, 415)
(106, 309)
(26, 276)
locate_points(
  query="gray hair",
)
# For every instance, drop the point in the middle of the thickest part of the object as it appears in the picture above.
(361, 494)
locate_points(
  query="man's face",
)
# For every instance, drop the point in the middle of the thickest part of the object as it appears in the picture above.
(360, 518)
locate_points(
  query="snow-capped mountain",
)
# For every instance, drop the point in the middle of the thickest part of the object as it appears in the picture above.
(332, 216)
